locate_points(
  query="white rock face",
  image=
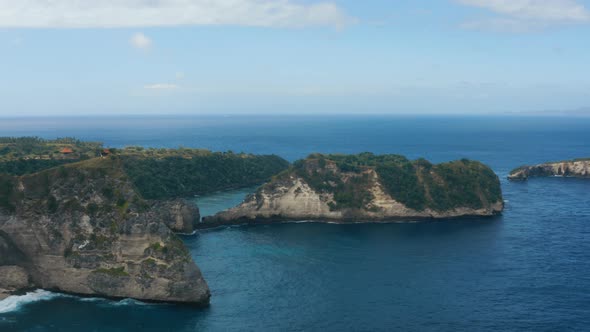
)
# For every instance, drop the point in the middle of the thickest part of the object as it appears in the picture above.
(294, 199)
(574, 168)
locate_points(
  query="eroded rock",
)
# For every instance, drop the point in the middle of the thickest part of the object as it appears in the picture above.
(83, 229)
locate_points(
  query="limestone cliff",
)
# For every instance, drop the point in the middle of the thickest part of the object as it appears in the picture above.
(370, 188)
(83, 229)
(572, 168)
(178, 214)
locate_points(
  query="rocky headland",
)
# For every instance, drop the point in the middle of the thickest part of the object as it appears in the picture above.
(367, 187)
(82, 228)
(572, 168)
(81, 218)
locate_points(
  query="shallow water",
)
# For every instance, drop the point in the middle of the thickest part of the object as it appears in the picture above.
(528, 269)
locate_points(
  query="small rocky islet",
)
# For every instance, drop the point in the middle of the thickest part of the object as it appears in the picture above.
(76, 217)
(579, 168)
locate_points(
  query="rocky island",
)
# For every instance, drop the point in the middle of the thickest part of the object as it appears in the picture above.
(369, 187)
(571, 168)
(78, 218)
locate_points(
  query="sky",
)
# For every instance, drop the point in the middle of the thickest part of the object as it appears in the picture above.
(78, 57)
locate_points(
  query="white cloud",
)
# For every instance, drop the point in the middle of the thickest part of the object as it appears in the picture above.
(501, 24)
(161, 86)
(526, 15)
(152, 13)
(141, 41)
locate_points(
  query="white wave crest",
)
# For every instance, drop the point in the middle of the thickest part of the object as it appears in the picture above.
(130, 302)
(110, 302)
(15, 302)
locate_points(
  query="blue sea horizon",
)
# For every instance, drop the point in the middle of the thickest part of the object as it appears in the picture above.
(524, 270)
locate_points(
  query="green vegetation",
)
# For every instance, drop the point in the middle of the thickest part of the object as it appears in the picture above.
(7, 193)
(114, 271)
(52, 204)
(28, 166)
(347, 194)
(25, 155)
(184, 172)
(417, 184)
(150, 261)
(161, 175)
(156, 173)
(157, 246)
(462, 183)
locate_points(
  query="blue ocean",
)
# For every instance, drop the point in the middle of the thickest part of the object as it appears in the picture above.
(527, 270)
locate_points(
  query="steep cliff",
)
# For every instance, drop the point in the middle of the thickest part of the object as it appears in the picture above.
(179, 215)
(366, 187)
(571, 168)
(82, 228)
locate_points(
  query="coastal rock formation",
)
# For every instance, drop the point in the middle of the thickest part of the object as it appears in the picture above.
(12, 278)
(82, 228)
(572, 168)
(179, 215)
(366, 187)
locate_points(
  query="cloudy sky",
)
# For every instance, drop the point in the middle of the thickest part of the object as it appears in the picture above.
(293, 56)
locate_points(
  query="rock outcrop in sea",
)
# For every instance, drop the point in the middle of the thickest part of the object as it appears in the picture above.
(366, 187)
(83, 229)
(571, 168)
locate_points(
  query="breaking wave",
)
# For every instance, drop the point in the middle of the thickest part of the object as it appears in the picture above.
(15, 302)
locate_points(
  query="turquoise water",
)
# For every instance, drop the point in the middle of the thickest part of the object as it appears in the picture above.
(211, 204)
(528, 269)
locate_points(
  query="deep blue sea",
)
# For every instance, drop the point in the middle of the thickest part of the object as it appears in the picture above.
(527, 270)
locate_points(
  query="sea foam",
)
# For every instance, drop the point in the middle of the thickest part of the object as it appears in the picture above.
(15, 302)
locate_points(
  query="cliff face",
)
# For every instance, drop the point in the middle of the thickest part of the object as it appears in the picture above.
(178, 214)
(83, 229)
(574, 168)
(376, 188)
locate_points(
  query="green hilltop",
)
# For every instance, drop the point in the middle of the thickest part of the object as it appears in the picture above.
(156, 173)
(417, 184)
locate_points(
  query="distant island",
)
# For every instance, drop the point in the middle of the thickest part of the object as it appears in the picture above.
(80, 218)
(570, 168)
(368, 187)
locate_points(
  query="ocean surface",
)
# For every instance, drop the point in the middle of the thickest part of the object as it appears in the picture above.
(527, 270)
